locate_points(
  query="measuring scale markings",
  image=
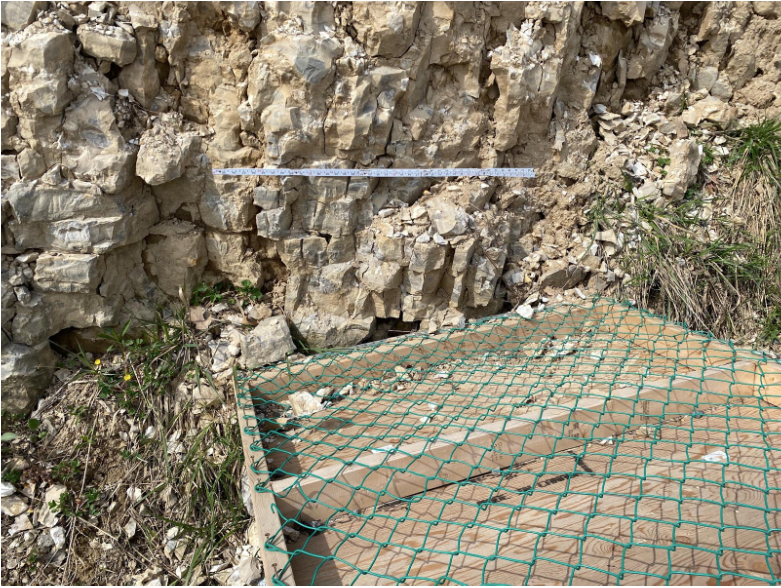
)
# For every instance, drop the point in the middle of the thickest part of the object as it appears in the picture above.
(501, 172)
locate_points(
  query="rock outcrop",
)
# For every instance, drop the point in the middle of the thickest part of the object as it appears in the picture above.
(114, 114)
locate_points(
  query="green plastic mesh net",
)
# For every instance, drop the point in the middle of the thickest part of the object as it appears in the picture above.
(588, 444)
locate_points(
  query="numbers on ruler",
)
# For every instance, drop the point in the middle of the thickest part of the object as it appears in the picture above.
(505, 172)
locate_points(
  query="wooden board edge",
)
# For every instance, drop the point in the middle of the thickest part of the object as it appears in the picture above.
(673, 341)
(369, 472)
(267, 521)
(767, 382)
(421, 348)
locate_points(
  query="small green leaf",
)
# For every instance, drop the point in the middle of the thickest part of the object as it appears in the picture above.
(33, 424)
(8, 436)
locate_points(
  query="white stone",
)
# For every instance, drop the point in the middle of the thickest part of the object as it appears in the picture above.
(57, 535)
(268, 342)
(13, 505)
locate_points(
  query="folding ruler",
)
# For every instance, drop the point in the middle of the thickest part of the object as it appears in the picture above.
(436, 172)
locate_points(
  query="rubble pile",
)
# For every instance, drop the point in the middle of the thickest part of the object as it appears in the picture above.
(114, 114)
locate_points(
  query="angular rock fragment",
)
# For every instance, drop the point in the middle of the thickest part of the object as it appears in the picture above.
(710, 109)
(684, 164)
(140, 78)
(163, 154)
(77, 217)
(68, 272)
(31, 164)
(226, 203)
(246, 14)
(175, 256)
(13, 506)
(230, 256)
(108, 43)
(26, 373)
(48, 313)
(17, 15)
(563, 276)
(268, 342)
(386, 28)
(10, 169)
(95, 149)
(39, 69)
(655, 39)
(630, 13)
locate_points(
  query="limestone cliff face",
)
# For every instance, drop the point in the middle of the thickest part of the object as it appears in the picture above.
(114, 114)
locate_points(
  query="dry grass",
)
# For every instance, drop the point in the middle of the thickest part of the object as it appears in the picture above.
(131, 453)
(716, 272)
(756, 189)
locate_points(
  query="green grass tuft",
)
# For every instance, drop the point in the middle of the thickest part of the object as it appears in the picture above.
(757, 150)
(771, 330)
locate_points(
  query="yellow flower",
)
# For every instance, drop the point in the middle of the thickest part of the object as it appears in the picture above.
(127, 377)
(97, 362)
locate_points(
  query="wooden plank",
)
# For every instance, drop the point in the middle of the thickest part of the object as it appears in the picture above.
(688, 348)
(492, 336)
(636, 503)
(768, 382)
(267, 519)
(366, 420)
(417, 467)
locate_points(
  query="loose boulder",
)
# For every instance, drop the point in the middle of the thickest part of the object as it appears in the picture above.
(267, 343)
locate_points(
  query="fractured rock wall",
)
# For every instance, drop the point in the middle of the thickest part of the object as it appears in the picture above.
(114, 114)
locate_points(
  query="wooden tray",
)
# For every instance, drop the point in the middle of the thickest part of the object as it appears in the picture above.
(630, 370)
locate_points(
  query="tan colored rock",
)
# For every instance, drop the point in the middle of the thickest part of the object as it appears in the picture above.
(162, 155)
(8, 124)
(39, 68)
(107, 43)
(268, 342)
(381, 276)
(68, 272)
(427, 257)
(292, 124)
(327, 206)
(26, 373)
(229, 255)
(651, 50)
(245, 14)
(684, 164)
(9, 169)
(361, 115)
(13, 505)
(274, 224)
(17, 15)
(226, 203)
(447, 218)
(77, 217)
(95, 151)
(44, 134)
(125, 275)
(767, 9)
(561, 275)
(386, 29)
(48, 313)
(180, 197)
(46, 516)
(175, 256)
(527, 73)
(31, 164)
(710, 109)
(630, 13)
(140, 77)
